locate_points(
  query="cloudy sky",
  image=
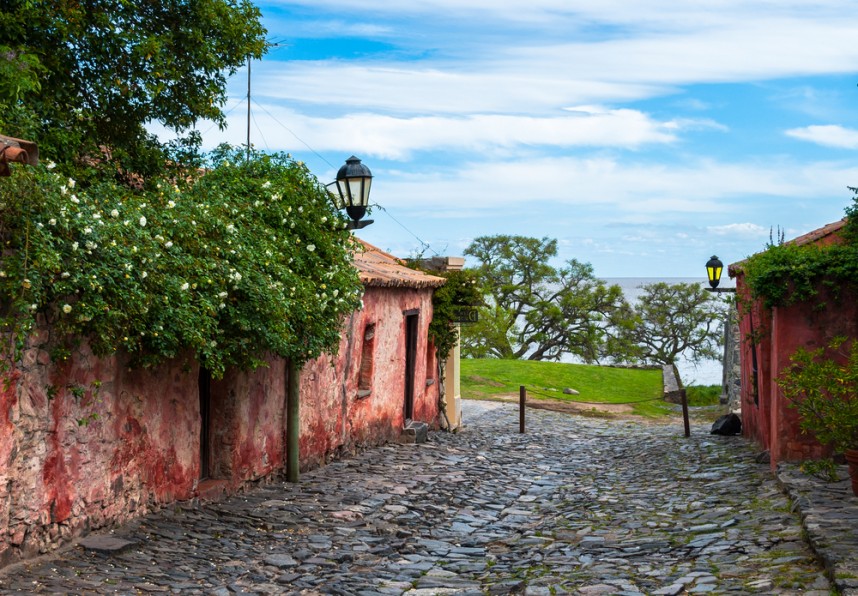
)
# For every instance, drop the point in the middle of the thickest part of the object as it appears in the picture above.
(645, 135)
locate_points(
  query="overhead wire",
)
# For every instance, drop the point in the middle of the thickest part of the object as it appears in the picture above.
(278, 45)
(424, 245)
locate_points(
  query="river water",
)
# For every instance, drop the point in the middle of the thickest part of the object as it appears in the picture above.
(707, 372)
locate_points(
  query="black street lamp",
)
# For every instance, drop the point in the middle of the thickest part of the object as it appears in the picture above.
(352, 191)
(714, 267)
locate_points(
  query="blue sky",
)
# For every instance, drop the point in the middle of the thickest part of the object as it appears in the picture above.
(644, 135)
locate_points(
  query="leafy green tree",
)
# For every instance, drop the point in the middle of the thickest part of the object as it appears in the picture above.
(89, 75)
(677, 319)
(538, 312)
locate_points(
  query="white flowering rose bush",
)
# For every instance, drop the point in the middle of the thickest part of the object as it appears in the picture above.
(245, 260)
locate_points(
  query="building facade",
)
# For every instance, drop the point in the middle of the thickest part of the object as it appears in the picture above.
(769, 337)
(89, 443)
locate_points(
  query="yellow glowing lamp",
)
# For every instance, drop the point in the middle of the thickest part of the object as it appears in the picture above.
(714, 266)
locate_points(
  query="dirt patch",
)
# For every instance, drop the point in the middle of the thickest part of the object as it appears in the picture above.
(570, 406)
(478, 380)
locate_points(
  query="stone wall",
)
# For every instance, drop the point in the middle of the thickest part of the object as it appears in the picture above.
(88, 443)
(732, 380)
(671, 383)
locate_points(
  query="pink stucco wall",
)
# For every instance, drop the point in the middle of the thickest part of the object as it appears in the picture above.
(130, 439)
(335, 415)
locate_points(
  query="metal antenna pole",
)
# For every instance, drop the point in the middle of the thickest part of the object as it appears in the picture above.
(248, 108)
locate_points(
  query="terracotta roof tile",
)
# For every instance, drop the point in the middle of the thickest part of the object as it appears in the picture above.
(382, 270)
(827, 234)
(820, 234)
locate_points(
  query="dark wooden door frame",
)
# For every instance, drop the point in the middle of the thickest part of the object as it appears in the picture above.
(205, 423)
(411, 320)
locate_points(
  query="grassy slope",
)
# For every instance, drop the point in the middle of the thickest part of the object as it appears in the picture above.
(485, 379)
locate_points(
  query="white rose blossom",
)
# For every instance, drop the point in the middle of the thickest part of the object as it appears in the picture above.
(142, 221)
(67, 308)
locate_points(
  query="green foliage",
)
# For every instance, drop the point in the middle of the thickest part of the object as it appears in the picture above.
(785, 274)
(703, 395)
(246, 260)
(822, 385)
(824, 469)
(93, 74)
(493, 379)
(460, 290)
(677, 319)
(19, 74)
(536, 311)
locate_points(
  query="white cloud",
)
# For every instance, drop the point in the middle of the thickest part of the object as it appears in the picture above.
(397, 138)
(620, 188)
(742, 230)
(655, 13)
(473, 75)
(829, 135)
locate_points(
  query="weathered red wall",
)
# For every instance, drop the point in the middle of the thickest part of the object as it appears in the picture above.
(248, 421)
(76, 462)
(137, 444)
(334, 417)
(780, 332)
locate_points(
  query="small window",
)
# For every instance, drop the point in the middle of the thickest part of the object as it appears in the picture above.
(431, 367)
(367, 357)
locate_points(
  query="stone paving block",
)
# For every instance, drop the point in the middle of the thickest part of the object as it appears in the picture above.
(106, 544)
(577, 505)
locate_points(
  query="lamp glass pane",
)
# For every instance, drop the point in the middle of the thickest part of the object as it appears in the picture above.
(714, 273)
(355, 191)
(333, 190)
(367, 182)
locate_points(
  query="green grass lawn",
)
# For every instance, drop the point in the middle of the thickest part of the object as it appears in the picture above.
(488, 379)
(703, 395)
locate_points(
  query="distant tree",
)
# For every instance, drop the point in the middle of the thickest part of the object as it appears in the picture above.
(82, 75)
(535, 311)
(674, 320)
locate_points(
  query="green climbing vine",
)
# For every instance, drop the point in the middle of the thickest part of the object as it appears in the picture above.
(243, 260)
(460, 290)
(785, 274)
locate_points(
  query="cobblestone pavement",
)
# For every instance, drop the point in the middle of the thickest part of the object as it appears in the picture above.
(577, 505)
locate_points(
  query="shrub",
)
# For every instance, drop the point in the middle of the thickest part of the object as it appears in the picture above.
(245, 260)
(822, 385)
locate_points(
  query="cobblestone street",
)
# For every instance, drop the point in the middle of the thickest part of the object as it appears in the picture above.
(577, 505)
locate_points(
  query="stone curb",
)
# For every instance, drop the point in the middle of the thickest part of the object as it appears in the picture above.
(829, 516)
